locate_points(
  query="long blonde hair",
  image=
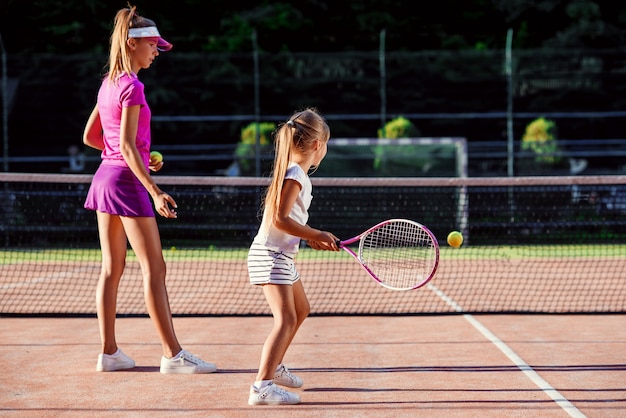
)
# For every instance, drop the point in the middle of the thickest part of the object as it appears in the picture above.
(120, 54)
(297, 135)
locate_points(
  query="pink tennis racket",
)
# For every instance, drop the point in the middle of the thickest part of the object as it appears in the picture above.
(399, 254)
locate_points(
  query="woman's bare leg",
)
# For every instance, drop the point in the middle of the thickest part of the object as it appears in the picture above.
(143, 235)
(113, 246)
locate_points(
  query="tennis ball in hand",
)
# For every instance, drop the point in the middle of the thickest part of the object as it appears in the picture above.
(155, 157)
(455, 239)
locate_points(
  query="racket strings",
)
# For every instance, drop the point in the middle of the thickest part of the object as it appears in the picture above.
(401, 254)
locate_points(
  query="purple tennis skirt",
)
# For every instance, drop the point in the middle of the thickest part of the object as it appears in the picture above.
(116, 190)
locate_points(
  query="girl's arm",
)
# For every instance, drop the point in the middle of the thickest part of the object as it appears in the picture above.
(324, 239)
(128, 148)
(92, 135)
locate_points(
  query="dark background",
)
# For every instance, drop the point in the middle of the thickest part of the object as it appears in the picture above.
(77, 26)
(444, 70)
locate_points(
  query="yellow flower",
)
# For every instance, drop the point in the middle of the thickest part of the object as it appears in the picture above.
(540, 138)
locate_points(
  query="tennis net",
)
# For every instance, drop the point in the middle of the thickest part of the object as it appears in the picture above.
(532, 245)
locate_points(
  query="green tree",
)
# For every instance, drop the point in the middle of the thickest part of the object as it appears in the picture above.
(73, 26)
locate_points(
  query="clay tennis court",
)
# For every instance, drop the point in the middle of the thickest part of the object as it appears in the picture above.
(335, 284)
(531, 329)
(354, 364)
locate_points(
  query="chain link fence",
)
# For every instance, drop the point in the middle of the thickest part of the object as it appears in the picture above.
(205, 100)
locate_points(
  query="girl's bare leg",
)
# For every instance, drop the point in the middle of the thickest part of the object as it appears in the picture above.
(282, 304)
(303, 308)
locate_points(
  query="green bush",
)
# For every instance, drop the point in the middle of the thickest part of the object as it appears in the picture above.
(540, 138)
(541, 153)
(399, 127)
(246, 148)
(386, 159)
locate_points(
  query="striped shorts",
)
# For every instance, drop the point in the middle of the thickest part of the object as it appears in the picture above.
(267, 266)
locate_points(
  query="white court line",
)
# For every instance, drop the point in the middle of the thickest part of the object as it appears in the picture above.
(566, 405)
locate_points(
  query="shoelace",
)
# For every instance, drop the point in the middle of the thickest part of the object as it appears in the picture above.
(282, 392)
(285, 372)
(271, 388)
(192, 359)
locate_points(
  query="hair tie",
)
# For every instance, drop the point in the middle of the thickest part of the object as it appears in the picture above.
(290, 123)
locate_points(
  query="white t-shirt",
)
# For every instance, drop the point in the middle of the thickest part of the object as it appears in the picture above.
(274, 238)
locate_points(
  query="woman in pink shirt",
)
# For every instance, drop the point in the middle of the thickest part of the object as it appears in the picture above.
(121, 192)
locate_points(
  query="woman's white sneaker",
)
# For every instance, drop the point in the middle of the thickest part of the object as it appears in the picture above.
(113, 362)
(186, 363)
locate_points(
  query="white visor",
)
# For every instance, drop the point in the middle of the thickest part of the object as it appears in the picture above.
(150, 32)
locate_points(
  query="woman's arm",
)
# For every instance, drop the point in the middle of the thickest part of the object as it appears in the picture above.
(92, 135)
(163, 202)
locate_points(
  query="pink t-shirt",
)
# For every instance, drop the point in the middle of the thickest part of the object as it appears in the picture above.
(112, 97)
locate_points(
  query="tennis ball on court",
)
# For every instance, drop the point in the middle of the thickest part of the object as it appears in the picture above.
(455, 239)
(156, 157)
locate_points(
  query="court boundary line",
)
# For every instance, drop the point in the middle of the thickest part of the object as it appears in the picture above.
(534, 377)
